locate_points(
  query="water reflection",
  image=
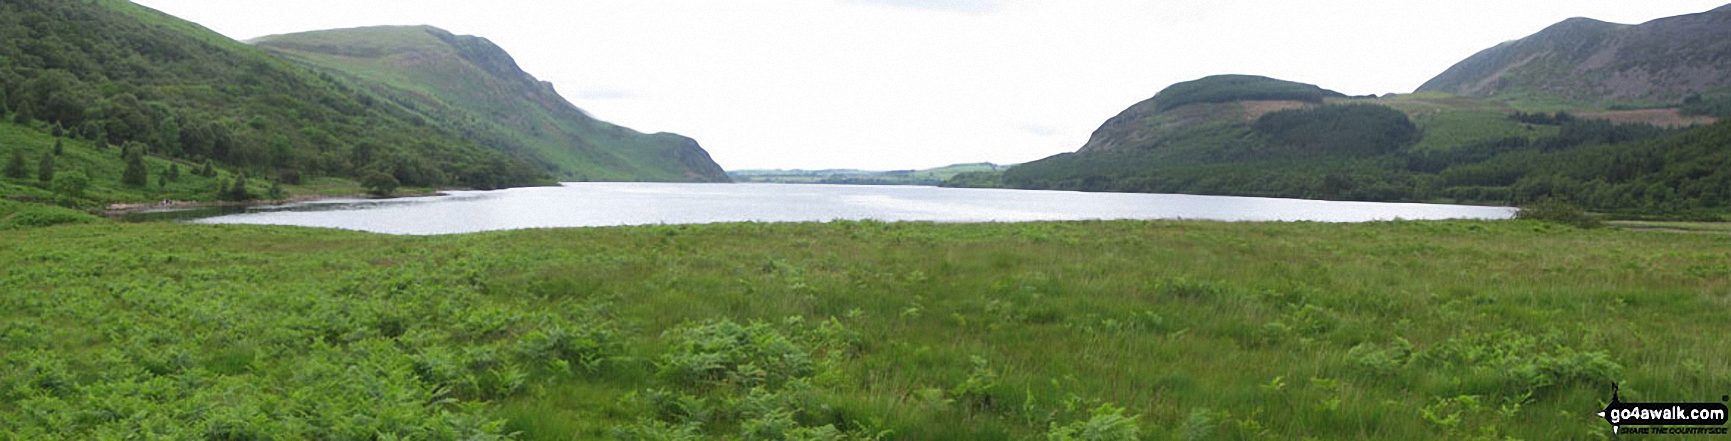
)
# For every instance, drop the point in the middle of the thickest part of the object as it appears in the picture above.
(607, 204)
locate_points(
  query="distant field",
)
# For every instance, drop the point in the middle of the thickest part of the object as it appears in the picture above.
(856, 330)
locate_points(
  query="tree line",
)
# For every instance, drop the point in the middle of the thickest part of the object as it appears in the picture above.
(1593, 163)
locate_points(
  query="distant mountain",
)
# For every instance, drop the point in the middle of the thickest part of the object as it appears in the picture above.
(1586, 62)
(1256, 136)
(113, 71)
(473, 85)
(930, 176)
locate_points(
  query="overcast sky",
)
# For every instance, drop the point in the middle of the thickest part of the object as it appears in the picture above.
(899, 84)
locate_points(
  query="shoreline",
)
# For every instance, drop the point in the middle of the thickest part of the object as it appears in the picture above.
(125, 208)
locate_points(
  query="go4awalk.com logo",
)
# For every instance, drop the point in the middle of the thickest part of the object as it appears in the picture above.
(1671, 418)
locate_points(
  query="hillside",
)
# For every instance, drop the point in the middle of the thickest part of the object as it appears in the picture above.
(113, 75)
(470, 83)
(1427, 147)
(1199, 104)
(1586, 62)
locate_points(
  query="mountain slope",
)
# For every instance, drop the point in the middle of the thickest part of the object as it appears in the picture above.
(121, 73)
(471, 83)
(1212, 100)
(1582, 61)
(1428, 147)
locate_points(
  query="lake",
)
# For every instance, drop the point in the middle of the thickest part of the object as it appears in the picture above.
(610, 204)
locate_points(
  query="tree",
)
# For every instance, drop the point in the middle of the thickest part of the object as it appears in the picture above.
(23, 115)
(276, 191)
(45, 169)
(15, 167)
(238, 191)
(135, 174)
(69, 186)
(59, 147)
(173, 173)
(168, 137)
(162, 181)
(379, 184)
(208, 171)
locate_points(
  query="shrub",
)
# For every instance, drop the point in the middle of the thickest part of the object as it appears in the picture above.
(45, 168)
(724, 352)
(1107, 424)
(238, 190)
(1381, 360)
(70, 186)
(379, 183)
(15, 167)
(135, 174)
(651, 430)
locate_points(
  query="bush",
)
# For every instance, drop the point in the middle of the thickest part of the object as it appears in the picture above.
(69, 186)
(724, 352)
(15, 167)
(1380, 360)
(1107, 424)
(379, 184)
(1558, 211)
(136, 174)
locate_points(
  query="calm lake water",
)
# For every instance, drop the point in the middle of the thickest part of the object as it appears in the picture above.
(608, 204)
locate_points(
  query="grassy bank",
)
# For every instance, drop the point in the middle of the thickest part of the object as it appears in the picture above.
(1195, 330)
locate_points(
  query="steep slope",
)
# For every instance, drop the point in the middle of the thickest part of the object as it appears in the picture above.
(471, 83)
(1582, 61)
(127, 75)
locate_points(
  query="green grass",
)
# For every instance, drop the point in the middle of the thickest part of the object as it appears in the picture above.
(104, 167)
(1691, 227)
(1393, 330)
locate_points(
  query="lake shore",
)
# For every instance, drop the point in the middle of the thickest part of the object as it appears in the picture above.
(125, 208)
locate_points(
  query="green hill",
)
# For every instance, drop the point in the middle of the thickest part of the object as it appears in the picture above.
(106, 77)
(1427, 147)
(472, 84)
(121, 73)
(1199, 107)
(1582, 61)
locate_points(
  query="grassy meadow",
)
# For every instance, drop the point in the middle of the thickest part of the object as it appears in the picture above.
(855, 330)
